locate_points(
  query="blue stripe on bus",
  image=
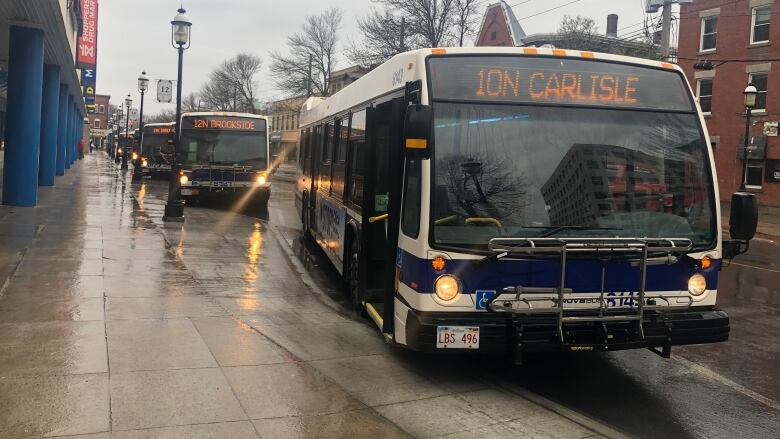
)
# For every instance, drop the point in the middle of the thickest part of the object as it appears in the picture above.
(581, 275)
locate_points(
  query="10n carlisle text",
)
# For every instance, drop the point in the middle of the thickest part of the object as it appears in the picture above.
(544, 86)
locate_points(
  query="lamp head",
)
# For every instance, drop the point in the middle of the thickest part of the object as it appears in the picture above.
(180, 28)
(750, 95)
(128, 102)
(143, 83)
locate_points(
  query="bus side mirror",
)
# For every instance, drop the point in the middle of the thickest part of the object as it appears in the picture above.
(417, 131)
(743, 220)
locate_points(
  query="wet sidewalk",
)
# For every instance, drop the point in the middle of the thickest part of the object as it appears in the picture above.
(113, 324)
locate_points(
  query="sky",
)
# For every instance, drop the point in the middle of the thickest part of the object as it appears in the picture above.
(135, 35)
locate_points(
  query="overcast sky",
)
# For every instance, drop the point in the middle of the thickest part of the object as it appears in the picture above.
(135, 35)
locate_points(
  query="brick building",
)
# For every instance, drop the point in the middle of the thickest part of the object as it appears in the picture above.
(746, 33)
(98, 121)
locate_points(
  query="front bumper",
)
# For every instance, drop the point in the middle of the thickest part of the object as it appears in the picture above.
(500, 333)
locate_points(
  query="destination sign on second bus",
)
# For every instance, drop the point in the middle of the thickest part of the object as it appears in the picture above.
(162, 130)
(222, 123)
(554, 80)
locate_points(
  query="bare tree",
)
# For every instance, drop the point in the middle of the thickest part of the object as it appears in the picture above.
(580, 33)
(163, 116)
(190, 102)
(466, 18)
(381, 39)
(315, 43)
(232, 85)
(427, 23)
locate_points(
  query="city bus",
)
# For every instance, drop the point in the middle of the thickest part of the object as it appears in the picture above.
(520, 200)
(156, 152)
(225, 155)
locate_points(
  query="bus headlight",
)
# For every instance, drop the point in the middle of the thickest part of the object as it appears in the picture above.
(447, 287)
(144, 163)
(697, 284)
(183, 179)
(119, 150)
(135, 156)
(261, 178)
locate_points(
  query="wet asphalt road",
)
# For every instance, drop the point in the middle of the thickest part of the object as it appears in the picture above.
(723, 390)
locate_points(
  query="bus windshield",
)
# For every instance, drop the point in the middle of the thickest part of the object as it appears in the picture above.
(155, 144)
(527, 170)
(205, 142)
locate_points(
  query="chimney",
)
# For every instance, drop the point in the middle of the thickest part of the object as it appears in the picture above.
(612, 25)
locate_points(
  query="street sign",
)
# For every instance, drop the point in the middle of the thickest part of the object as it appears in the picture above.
(164, 90)
(133, 114)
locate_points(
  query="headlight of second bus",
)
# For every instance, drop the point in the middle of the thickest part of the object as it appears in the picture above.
(261, 178)
(135, 156)
(697, 284)
(447, 287)
(183, 179)
(144, 163)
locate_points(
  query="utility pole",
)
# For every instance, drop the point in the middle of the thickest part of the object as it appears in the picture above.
(666, 29)
(308, 77)
(403, 31)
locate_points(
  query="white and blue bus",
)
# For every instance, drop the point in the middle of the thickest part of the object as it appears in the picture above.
(224, 155)
(521, 199)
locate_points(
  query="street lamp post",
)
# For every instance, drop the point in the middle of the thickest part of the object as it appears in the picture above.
(143, 87)
(180, 39)
(750, 102)
(125, 152)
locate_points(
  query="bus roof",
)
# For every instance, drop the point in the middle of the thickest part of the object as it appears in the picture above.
(392, 75)
(160, 124)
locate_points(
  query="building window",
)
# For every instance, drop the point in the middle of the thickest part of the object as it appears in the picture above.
(709, 34)
(101, 109)
(760, 81)
(492, 36)
(704, 93)
(96, 123)
(755, 174)
(760, 28)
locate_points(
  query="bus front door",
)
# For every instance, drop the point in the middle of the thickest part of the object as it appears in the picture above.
(381, 211)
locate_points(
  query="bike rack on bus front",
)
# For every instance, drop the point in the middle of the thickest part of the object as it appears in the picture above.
(639, 251)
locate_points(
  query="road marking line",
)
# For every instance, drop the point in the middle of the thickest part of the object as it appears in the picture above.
(754, 266)
(769, 402)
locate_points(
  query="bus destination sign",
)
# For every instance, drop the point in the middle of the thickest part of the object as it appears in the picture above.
(161, 130)
(226, 123)
(557, 81)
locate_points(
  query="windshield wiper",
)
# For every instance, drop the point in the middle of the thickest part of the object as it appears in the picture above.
(559, 229)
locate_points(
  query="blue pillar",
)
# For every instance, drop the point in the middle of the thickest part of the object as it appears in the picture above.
(69, 132)
(23, 116)
(76, 134)
(62, 129)
(47, 161)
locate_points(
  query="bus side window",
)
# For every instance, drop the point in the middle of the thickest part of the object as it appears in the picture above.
(327, 158)
(340, 158)
(302, 146)
(310, 138)
(357, 141)
(410, 222)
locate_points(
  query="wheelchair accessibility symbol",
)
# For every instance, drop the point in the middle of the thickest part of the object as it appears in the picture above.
(482, 298)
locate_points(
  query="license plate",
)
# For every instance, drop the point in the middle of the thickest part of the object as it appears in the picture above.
(189, 192)
(457, 337)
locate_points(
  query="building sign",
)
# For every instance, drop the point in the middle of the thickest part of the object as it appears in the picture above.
(86, 54)
(520, 79)
(164, 90)
(772, 173)
(88, 77)
(770, 129)
(222, 123)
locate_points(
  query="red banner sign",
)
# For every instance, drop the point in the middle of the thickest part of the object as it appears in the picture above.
(86, 55)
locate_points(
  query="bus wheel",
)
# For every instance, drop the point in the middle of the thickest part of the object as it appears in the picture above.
(353, 276)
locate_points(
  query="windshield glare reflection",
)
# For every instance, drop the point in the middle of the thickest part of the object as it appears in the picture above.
(525, 171)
